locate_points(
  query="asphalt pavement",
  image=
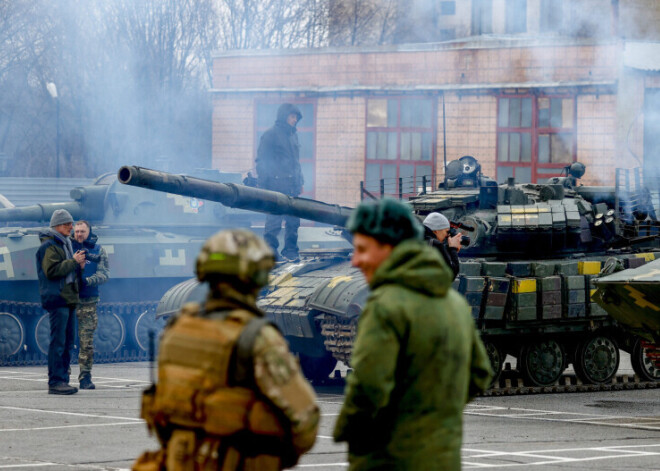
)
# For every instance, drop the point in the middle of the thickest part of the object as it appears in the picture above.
(101, 429)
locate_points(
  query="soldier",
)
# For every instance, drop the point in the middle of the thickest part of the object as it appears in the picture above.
(95, 272)
(417, 357)
(278, 169)
(229, 396)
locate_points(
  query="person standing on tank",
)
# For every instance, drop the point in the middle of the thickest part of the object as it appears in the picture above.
(58, 269)
(278, 169)
(417, 357)
(94, 273)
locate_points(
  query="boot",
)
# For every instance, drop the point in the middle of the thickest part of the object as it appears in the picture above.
(86, 382)
(62, 388)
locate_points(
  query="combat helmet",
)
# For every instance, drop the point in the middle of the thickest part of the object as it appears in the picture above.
(235, 254)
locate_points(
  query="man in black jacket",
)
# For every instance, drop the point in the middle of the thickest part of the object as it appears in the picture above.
(278, 169)
(436, 232)
(58, 268)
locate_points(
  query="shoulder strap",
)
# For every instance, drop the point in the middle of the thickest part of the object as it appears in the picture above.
(244, 364)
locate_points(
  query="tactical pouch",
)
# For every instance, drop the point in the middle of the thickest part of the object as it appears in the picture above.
(150, 461)
(228, 411)
(181, 451)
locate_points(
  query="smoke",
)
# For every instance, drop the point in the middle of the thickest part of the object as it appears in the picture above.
(132, 84)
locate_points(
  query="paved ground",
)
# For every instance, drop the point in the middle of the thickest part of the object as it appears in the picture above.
(100, 429)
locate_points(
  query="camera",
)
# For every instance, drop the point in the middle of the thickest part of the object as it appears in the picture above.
(465, 240)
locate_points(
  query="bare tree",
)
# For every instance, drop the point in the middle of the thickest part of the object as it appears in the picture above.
(361, 22)
(25, 32)
(268, 24)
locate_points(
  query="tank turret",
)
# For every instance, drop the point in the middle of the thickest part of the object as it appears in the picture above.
(151, 240)
(503, 221)
(107, 202)
(528, 273)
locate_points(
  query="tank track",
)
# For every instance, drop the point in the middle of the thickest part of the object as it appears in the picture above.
(121, 335)
(568, 384)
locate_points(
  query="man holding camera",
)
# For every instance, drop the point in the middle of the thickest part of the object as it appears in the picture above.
(436, 232)
(95, 272)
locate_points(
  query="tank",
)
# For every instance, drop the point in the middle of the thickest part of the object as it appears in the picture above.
(528, 272)
(151, 239)
(632, 297)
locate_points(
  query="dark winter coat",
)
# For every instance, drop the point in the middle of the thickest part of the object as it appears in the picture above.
(96, 270)
(278, 156)
(449, 254)
(53, 266)
(417, 360)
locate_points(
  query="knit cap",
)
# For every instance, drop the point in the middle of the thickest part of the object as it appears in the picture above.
(436, 222)
(60, 216)
(388, 221)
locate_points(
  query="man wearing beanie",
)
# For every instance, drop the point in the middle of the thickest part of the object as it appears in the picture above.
(417, 357)
(58, 270)
(436, 232)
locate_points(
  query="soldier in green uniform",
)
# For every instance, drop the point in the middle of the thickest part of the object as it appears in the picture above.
(417, 358)
(230, 396)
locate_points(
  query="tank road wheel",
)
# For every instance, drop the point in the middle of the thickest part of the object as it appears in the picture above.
(110, 333)
(42, 334)
(642, 363)
(145, 323)
(496, 360)
(12, 334)
(596, 360)
(317, 368)
(542, 363)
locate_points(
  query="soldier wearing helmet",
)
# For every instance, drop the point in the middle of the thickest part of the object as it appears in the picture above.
(230, 396)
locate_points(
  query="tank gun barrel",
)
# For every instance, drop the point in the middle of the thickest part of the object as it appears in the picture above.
(40, 212)
(235, 196)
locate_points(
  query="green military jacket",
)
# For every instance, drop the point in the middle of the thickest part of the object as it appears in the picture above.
(417, 360)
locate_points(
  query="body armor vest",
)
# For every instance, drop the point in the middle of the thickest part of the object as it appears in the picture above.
(198, 391)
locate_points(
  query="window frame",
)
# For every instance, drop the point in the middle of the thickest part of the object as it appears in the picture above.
(540, 171)
(399, 129)
(258, 130)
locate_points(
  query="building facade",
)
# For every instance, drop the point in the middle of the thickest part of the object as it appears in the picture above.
(525, 101)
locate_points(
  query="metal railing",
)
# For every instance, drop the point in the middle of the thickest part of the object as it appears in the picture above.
(401, 188)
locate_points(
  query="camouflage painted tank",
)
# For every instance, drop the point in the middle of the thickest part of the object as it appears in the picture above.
(528, 273)
(151, 240)
(632, 297)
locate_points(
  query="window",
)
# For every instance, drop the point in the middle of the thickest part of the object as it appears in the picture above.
(535, 137)
(399, 143)
(448, 8)
(516, 16)
(552, 12)
(266, 113)
(482, 17)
